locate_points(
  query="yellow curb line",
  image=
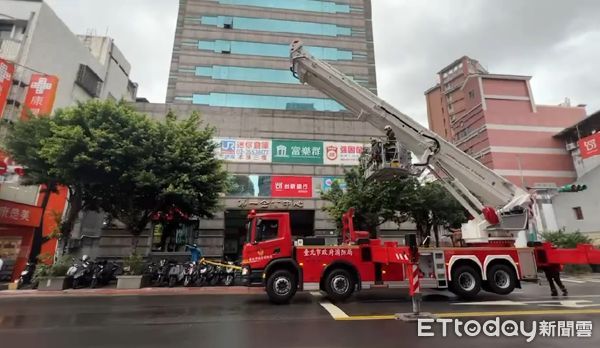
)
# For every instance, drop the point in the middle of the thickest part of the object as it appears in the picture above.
(478, 314)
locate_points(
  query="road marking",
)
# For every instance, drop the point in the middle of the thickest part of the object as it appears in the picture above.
(368, 317)
(316, 294)
(550, 303)
(573, 281)
(478, 314)
(335, 312)
(516, 313)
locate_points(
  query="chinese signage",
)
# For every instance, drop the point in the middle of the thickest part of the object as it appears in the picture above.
(40, 95)
(12, 213)
(291, 186)
(590, 146)
(342, 153)
(298, 151)
(244, 150)
(289, 151)
(328, 182)
(308, 252)
(270, 204)
(6, 74)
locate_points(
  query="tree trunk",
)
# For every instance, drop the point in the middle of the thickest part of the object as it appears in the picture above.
(135, 238)
(38, 233)
(436, 233)
(75, 204)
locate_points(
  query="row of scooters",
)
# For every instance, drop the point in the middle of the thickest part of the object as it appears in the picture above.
(86, 273)
(171, 273)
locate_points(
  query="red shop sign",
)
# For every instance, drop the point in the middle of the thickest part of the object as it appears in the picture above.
(590, 146)
(291, 186)
(12, 213)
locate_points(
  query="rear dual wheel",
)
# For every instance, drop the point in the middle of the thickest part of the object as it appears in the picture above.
(466, 282)
(339, 285)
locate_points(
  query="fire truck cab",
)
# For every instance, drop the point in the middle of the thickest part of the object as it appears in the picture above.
(282, 264)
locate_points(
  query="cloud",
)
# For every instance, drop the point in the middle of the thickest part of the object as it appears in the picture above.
(143, 30)
(554, 41)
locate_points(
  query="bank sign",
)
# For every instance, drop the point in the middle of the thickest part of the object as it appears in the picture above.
(297, 151)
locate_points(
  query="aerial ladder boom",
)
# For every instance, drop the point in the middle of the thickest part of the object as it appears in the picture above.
(500, 208)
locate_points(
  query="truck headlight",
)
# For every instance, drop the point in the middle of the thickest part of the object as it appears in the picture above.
(245, 271)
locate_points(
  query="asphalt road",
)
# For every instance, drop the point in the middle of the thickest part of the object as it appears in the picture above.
(310, 321)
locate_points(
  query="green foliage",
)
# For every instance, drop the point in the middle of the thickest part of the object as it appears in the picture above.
(57, 269)
(117, 160)
(375, 202)
(398, 200)
(564, 239)
(133, 265)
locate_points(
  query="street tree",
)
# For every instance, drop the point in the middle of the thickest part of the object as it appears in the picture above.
(434, 207)
(117, 160)
(375, 202)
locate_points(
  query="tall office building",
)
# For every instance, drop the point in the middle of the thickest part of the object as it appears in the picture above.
(284, 142)
(494, 118)
(234, 53)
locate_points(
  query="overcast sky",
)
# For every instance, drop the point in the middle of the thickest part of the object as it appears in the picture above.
(556, 42)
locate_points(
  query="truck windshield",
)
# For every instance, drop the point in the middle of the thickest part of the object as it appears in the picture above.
(249, 231)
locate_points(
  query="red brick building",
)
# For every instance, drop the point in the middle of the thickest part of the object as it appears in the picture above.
(494, 118)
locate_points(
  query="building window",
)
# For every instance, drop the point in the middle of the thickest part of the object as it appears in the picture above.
(265, 102)
(471, 94)
(273, 50)
(277, 25)
(578, 213)
(89, 81)
(298, 5)
(237, 73)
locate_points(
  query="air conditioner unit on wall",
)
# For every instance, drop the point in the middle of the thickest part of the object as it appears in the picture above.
(571, 146)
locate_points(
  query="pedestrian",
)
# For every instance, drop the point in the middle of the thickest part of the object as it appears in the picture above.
(375, 152)
(195, 252)
(390, 143)
(552, 272)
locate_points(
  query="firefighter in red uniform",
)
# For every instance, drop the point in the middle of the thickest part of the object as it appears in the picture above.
(552, 272)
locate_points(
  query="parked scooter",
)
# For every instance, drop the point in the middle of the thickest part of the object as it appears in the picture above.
(26, 276)
(176, 274)
(229, 275)
(103, 272)
(81, 272)
(162, 272)
(191, 274)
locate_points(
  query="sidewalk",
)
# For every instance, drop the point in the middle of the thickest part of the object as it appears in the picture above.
(178, 291)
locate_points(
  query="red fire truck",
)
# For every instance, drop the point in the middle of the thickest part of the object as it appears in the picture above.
(495, 257)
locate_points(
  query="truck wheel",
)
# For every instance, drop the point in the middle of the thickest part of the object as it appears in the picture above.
(502, 279)
(466, 282)
(339, 285)
(281, 286)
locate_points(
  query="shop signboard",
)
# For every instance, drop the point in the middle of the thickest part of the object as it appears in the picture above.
(297, 151)
(590, 146)
(6, 77)
(244, 150)
(328, 182)
(270, 204)
(345, 154)
(40, 96)
(291, 186)
(12, 213)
